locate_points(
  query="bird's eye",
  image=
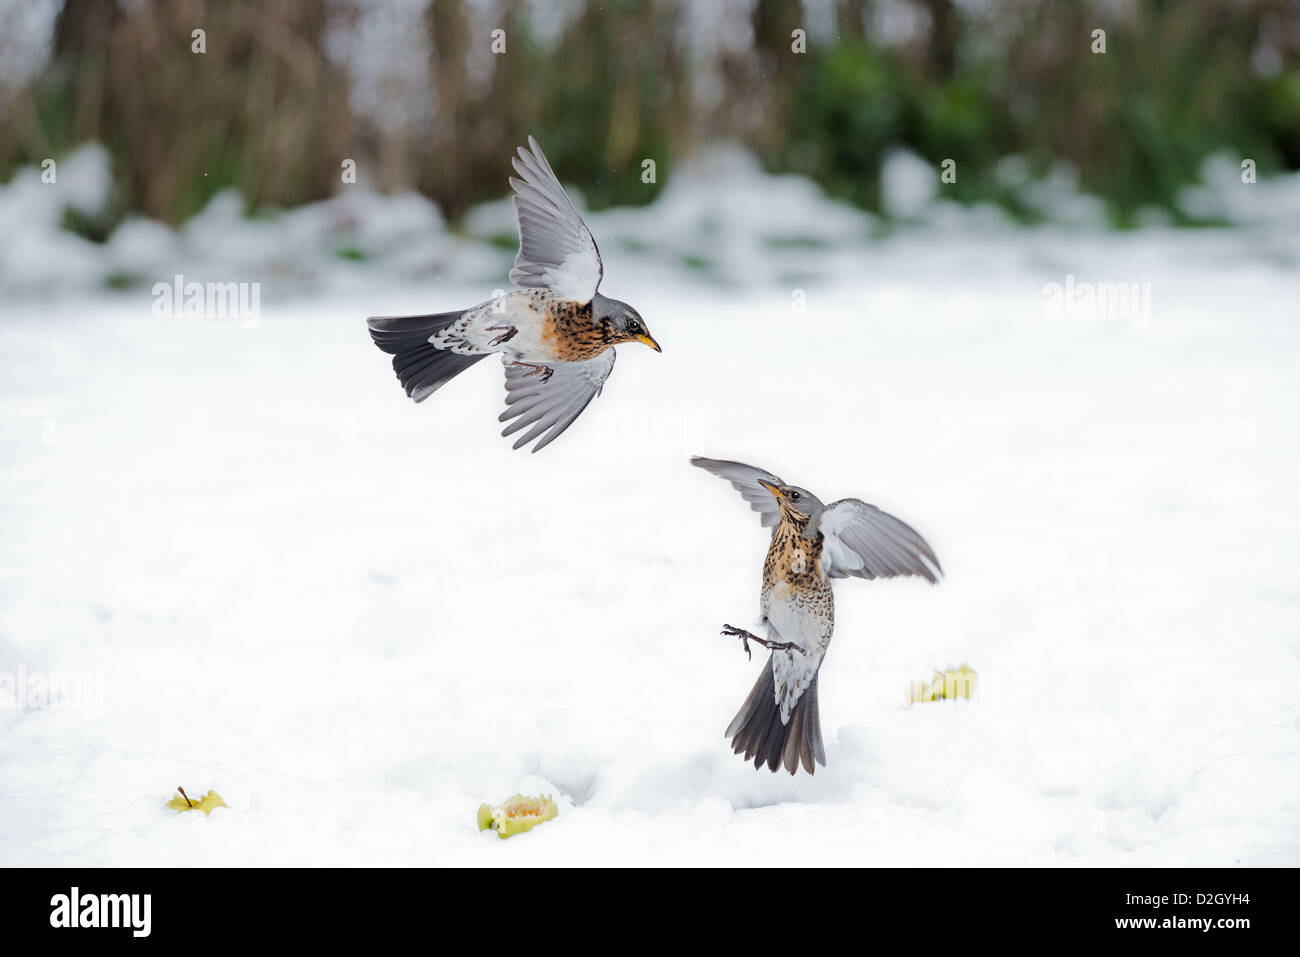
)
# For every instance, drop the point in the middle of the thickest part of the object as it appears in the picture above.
(794, 496)
(634, 327)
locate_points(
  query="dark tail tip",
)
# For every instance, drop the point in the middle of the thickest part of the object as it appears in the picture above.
(421, 367)
(425, 369)
(396, 334)
(758, 733)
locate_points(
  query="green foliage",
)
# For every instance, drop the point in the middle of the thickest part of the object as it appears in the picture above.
(1136, 122)
(850, 111)
(96, 229)
(266, 112)
(1281, 116)
(119, 280)
(258, 111)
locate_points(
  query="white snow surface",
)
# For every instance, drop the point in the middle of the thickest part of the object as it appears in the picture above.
(357, 618)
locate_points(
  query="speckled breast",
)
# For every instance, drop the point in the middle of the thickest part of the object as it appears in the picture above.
(571, 334)
(793, 572)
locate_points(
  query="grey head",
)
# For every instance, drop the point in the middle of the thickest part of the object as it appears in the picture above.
(797, 504)
(625, 323)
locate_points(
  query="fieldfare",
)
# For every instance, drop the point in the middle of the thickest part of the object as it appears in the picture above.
(811, 544)
(555, 333)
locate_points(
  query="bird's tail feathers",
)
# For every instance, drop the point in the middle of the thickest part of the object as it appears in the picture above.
(758, 734)
(421, 366)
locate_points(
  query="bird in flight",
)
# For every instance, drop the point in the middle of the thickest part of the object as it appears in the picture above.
(811, 544)
(555, 333)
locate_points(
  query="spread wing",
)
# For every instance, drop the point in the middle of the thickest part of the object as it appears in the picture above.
(551, 406)
(744, 479)
(555, 246)
(859, 539)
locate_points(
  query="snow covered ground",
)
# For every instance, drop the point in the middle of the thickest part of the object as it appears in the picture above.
(358, 619)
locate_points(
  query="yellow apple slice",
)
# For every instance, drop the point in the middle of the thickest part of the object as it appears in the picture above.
(516, 815)
(183, 802)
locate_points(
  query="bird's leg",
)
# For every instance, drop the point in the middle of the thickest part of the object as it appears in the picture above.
(509, 333)
(731, 631)
(543, 372)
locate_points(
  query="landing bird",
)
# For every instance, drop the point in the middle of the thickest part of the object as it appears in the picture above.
(555, 333)
(811, 544)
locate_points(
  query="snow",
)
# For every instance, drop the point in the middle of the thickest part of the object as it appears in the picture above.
(907, 184)
(358, 619)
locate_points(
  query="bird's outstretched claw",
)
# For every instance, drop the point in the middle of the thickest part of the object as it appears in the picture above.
(509, 333)
(731, 631)
(542, 372)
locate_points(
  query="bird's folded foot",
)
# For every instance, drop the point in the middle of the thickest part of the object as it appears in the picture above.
(509, 333)
(731, 631)
(543, 373)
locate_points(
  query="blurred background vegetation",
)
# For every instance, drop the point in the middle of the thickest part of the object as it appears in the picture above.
(413, 92)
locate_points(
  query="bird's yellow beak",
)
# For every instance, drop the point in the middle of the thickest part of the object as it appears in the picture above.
(776, 492)
(649, 340)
